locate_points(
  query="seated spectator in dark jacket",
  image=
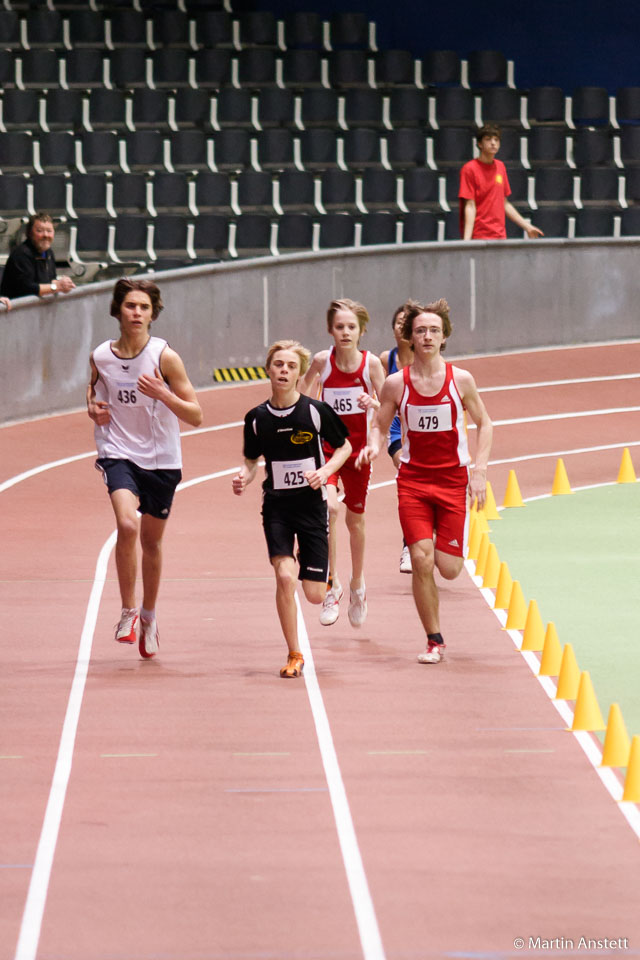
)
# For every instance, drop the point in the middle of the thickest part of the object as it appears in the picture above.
(30, 270)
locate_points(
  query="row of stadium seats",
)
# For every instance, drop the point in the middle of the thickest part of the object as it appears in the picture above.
(72, 195)
(165, 109)
(357, 148)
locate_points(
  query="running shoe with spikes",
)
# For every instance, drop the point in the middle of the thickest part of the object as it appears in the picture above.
(330, 605)
(433, 654)
(357, 606)
(405, 561)
(126, 628)
(294, 665)
(149, 642)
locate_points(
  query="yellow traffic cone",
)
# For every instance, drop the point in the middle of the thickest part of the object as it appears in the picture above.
(617, 746)
(491, 568)
(517, 615)
(533, 636)
(569, 676)
(632, 780)
(503, 590)
(560, 480)
(587, 715)
(551, 653)
(475, 535)
(481, 562)
(483, 523)
(513, 497)
(626, 474)
(490, 509)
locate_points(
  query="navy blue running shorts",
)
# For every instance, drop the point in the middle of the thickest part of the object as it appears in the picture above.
(153, 488)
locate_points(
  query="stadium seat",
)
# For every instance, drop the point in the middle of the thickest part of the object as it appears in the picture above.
(378, 227)
(212, 68)
(421, 188)
(502, 105)
(276, 107)
(258, 28)
(594, 222)
(348, 29)
(84, 67)
(131, 238)
(19, 110)
(38, 68)
(295, 232)
(394, 68)
(318, 148)
(7, 69)
(99, 150)
(338, 190)
(253, 235)
(487, 67)
(275, 148)
(592, 147)
(232, 108)
(88, 194)
(363, 108)
(348, 68)
(62, 109)
(553, 221)
(129, 193)
(170, 28)
(44, 28)
(555, 186)
(406, 147)
(630, 222)
(16, 152)
(91, 238)
(150, 109)
(55, 151)
(319, 107)
(213, 28)
(302, 68)
(419, 226)
(169, 238)
(336, 230)
(171, 67)
(590, 105)
(454, 106)
(440, 67)
(380, 190)
(50, 193)
(452, 145)
(255, 192)
(191, 108)
(212, 193)
(232, 148)
(546, 105)
(85, 28)
(628, 105)
(630, 145)
(107, 110)
(303, 29)
(547, 145)
(125, 28)
(145, 150)
(408, 107)
(362, 148)
(191, 149)
(211, 236)
(170, 192)
(256, 67)
(296, 191)
(599, 185)
(632, 184)
(13, 194)
(10, 33)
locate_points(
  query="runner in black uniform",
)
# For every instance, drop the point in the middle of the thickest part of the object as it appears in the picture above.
(288, 431)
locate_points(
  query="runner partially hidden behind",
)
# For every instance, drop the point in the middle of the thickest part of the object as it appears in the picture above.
(349, 380)
(288, 430)
(433, 481)
(137, 393)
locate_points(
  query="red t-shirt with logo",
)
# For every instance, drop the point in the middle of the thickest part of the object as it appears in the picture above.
(488, 185)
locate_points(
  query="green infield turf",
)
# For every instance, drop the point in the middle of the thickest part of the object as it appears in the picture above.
(578, 556)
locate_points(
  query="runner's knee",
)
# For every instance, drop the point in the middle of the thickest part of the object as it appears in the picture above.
(314, 590)
(448, 566)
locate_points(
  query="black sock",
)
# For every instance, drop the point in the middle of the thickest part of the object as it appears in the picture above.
(435, 638)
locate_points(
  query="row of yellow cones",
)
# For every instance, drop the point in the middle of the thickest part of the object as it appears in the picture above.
(573, 684)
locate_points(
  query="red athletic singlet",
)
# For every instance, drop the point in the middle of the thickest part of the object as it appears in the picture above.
(341, 391)
(434, 428)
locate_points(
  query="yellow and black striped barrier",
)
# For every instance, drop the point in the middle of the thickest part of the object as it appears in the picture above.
(238, 374)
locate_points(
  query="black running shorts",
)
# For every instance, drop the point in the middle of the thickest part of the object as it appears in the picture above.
(303, 517)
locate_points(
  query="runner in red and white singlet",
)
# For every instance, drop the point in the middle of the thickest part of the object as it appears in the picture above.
(434, 483)
(347, 379)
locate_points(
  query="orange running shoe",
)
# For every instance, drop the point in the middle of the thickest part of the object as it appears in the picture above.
(126, 628)
(294, 665)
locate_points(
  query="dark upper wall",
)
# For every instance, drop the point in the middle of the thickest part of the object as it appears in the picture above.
(566, 43)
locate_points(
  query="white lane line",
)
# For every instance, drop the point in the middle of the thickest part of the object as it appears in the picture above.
(572, 415)
(39, 885)
(370, 939)
(542, 384)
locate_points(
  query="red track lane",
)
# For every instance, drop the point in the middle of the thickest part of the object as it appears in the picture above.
(197, 822)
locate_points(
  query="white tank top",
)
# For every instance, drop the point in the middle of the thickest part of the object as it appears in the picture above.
(142, 430)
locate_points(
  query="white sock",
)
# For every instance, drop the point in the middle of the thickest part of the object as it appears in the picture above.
(147, 614)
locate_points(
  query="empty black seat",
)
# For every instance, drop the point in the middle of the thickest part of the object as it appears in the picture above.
(62, 109)
(92, 237)
(394, 68)
(232, 149)
(84, 67)
(275, 148)
(170, 193)
(213, 192)
(107, 109)
(487, 67)
(302, 68)
(213, 67)
(502, 105)
(510, 145)
(546, 105)
(452, 145)
(319, 107)
(594, 222)
(20, 109)
(632, 184)
(363, 108)
(553, 221)
(630, 222)
(10, 34)
(88, 193)
(628, 105)
(7, 69)
(421, 188)
(378, 228)
(599, 185)
(454, 106)
(255, 191)
(50, 193)
(211, 236)
(318, 148)
(408, 107)
(547, 145)
(347, 29)
(150, 109)
(145, 150)
(554, 185)
(362, 148)
(253, 235)
(13, 194)
(129, 193)
(213, 28)
(44, 28)
(257, 67)
(170, 28)
(38, 68)
(192, 108)
(630, 145)
(336, 230)
(16, 151)
(192, 149)
(56, 151)
(276, 107)
(379, 189)
(419, 226)
(296, 190)
(170, 232)
(407, 147)
(303, 29)
(170, 67)
(592, 146)
(295, 232)
(590, 105)
(131, 238)
(128, 67)
(86, 28)
(258, 28)
(125, 28)
(100, 150)
(348, 68)
(338, 189)
(440, 67)
(233, 108)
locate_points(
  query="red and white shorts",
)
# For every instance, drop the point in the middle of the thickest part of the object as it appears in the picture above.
(355, 484)
(434, 506)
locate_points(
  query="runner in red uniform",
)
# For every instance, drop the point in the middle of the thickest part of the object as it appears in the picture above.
(347, 379)
(434, 482)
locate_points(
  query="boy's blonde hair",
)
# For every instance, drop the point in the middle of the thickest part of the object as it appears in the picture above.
(304, 355)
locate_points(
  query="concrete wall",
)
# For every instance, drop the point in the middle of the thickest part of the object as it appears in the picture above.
(503, 295)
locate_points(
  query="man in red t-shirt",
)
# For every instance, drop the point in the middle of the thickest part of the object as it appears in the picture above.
(484, 189)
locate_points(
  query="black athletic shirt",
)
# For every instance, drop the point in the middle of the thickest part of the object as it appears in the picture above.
(290, 441)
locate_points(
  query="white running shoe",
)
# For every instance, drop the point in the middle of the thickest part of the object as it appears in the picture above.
(126, 628)
(149, 642)
(358, 606)
(330, 605)
(405, 561)
(433, 654)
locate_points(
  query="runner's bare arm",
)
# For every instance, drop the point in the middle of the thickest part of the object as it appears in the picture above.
(181, 397)
(316, 478)
(308, 384)
(478, 413)
(98, 410)
(376, 370)
(244, 476)
(390, 396)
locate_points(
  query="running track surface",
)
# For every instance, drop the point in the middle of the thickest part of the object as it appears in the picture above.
(202, 820)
